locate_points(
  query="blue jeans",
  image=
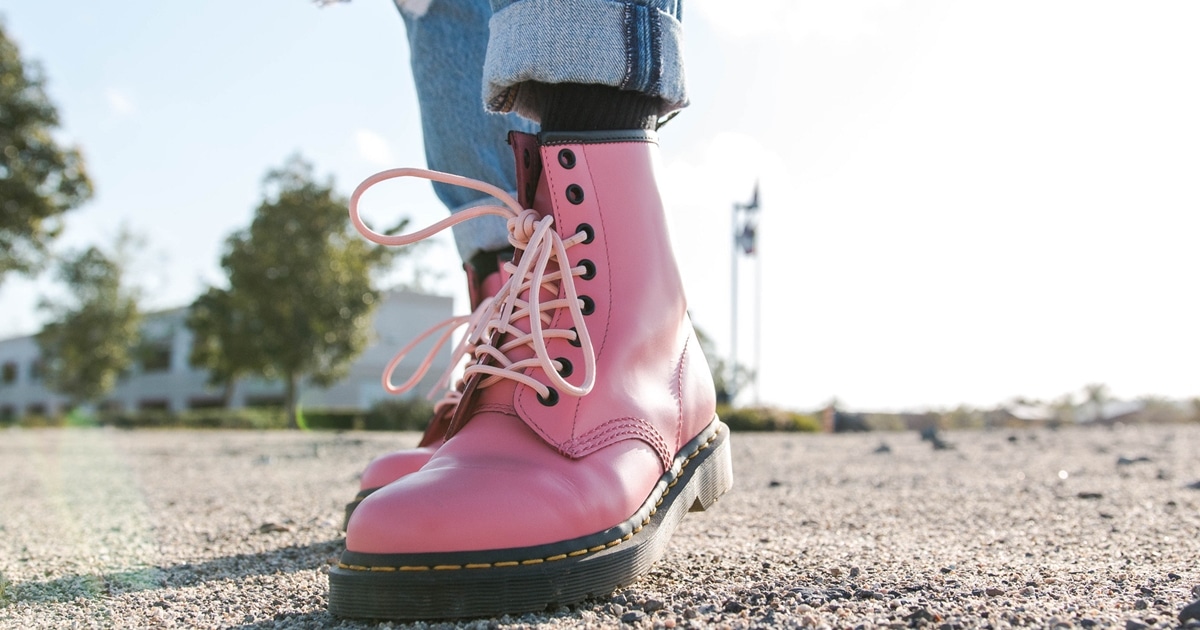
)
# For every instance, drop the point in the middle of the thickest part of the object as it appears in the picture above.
(459, 46)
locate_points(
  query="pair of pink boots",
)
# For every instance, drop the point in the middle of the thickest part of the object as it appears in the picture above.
(583, 430)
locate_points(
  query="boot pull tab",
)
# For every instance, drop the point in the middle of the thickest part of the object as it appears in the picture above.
(529, 165)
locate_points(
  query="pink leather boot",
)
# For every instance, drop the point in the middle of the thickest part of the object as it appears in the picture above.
(389, 467)
(587, 427)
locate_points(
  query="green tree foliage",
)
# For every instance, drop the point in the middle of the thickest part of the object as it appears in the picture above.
(94, 332)
(300, 290)
(39, 180)
(724, 378)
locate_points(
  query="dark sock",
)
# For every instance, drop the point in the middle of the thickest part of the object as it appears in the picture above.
(590, 107)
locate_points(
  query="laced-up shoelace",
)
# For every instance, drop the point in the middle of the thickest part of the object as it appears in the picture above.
(450, 394)
(495, 320)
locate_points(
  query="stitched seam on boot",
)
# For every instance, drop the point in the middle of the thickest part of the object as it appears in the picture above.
(613, 430)
(679, 388)
(603, 240)
(498, 408)
(562, 556)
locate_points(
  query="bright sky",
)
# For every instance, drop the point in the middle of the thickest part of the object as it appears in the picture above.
(962, 202)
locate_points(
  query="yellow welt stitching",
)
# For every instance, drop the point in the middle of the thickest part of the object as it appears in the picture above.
(412, 568)
(447, 567)
(485, 565)
(615, 542)
(597, 548)
(576, 554)
(506, 564)
(385, 569)
(561, 556)
(534, 561)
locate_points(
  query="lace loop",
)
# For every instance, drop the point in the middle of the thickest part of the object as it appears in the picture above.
(542, 265)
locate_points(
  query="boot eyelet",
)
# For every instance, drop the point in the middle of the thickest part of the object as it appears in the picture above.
(567, 368)
(589, 269)
(586, 229)
(566, 158)
(575, 194)
(525, 157)
(588, 307)
(575, 342)
(550, 400)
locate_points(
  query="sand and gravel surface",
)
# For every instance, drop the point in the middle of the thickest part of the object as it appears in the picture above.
(1008, 528)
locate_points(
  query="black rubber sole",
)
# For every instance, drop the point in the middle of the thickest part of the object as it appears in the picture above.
(511, 581)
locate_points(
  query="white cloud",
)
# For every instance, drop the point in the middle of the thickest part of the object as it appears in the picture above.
(119, 102)
(373, 148)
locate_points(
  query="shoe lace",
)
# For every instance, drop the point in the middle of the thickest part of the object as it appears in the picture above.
(494, 334)
(465, 347)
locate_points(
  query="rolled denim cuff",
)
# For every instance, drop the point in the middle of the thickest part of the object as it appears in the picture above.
(628, 45)
(481, 234)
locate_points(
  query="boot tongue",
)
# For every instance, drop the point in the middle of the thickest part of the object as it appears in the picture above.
(528, 158)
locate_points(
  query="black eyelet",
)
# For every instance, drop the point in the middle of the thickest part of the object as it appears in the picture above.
(575, 342)
(588, 307)
(566, 158)
(525, 157)
(567, 368)
(586, 229)
(550, 400)
(589, 269)
(575, 194)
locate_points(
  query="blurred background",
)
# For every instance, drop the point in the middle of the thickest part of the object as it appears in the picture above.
(972, 206)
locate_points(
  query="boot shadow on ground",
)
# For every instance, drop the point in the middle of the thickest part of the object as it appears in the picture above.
(70, 587)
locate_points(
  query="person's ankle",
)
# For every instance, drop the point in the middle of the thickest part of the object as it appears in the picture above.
(592, 107)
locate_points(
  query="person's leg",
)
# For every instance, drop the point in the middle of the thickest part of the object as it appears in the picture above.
(586, 428)
(447, 42)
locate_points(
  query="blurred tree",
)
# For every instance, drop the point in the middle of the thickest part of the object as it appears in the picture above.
(723, 377)
(1064, 408)
(1096, 396)
(94, 332)
(300, 290)
(39, 181)
(222, 341)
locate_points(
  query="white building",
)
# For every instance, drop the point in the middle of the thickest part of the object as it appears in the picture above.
(163, 379)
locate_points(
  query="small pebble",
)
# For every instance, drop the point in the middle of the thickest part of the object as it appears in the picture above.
(633, 616)
(1191, 612)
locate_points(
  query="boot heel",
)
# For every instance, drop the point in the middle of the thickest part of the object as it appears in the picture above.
(715, 475)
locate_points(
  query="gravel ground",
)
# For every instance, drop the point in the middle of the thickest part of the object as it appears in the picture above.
(1071, 528)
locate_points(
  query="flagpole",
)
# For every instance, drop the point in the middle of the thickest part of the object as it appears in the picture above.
(744, 241)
